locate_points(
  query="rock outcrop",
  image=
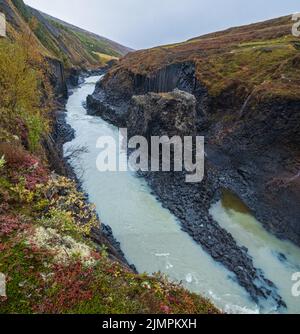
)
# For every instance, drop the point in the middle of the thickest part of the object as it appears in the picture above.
(160, 114)
(113, 94)
(174, 114)
(58, 79)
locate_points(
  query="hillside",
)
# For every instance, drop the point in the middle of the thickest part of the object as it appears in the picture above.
(264, 56)
(111, 47)
(71, 45)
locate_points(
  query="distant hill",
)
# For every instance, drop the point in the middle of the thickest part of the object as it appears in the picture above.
(57, 39)
(254, 54)
(108, 45)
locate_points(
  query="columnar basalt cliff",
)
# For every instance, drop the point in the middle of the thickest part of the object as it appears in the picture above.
(246, 85)
(113, 94)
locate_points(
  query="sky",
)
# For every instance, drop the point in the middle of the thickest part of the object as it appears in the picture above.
(143, 24)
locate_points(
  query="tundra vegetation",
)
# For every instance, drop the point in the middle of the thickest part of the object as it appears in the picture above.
(263, 57)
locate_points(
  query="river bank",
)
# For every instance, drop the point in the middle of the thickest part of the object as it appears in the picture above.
(63, 133)
(48, 257)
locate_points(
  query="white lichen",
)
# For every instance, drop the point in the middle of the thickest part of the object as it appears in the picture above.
(64, 248)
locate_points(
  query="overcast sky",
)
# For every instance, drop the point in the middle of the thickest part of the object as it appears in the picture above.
(146, 23)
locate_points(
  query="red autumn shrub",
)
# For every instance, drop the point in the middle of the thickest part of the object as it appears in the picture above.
(165, 309)
(72, 286)
(35, 172)
(10, 224)
(14, 155)
(22, 131)
(23, 164)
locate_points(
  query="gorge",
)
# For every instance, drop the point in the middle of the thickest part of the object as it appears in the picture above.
(150, 235)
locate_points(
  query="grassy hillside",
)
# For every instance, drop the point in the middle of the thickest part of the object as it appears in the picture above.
(54, 38)
(263, 56)
(101, 42)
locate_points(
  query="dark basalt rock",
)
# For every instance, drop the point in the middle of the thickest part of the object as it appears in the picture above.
(73, 78)
(191, 204)
(62, 132)
(112, 97)
(154, 114)
(58, 79)
(253, 142)
(104, 236)
(99, 107)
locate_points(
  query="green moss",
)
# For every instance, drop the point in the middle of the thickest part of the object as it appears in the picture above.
(47, 40)
(20, 268)
(93, 45)
(22, 8)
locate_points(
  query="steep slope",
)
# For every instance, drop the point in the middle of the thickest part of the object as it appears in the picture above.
(246, 84)
(71, 45)
(104, 45)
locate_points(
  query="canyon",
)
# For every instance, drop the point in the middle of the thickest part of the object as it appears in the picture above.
(239, 89)
(250, 121)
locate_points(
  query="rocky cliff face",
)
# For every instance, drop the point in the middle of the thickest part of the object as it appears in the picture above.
(112, 96)
(247, 107)
(58, 78)
(162, 114)
(263, 149)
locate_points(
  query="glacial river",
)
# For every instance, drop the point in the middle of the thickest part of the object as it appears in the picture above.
(151, 237)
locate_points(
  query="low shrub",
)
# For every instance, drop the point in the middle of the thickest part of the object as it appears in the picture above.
(14, 155)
